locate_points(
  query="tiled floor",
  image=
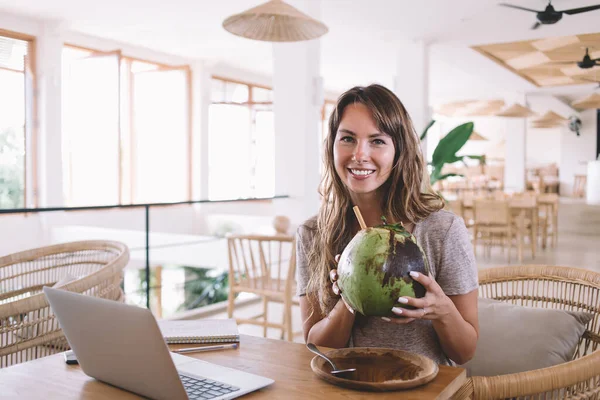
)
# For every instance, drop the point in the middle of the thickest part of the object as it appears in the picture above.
(578, 246)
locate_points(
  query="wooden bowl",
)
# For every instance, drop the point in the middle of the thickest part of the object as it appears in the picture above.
(377, 369)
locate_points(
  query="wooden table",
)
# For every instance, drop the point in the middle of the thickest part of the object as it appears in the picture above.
(520, 209)
(287, 363)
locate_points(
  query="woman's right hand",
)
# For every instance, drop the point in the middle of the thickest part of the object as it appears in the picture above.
(333, 277)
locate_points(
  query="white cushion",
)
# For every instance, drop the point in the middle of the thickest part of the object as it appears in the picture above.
(514, 338)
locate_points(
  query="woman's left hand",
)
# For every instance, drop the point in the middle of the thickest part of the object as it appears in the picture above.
(435, 305)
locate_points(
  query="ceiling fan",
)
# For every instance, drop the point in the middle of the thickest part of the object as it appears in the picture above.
(550, 15)
(586, 63)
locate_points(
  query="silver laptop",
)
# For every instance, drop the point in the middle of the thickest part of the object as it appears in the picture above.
(122, 345)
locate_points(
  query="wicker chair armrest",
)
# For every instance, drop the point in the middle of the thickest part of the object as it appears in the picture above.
(537, 381)
(594, 337)
(34, 254)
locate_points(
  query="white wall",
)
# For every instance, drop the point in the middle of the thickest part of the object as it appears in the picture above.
(20, 232)
(543, 146)
(576, 151)
(411, 84)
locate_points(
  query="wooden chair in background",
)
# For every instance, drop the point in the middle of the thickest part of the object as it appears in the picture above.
(265, 266)
(492, 219)
(456, 207)
(499, 195)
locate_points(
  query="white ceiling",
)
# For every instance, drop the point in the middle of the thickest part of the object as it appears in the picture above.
(361, 47)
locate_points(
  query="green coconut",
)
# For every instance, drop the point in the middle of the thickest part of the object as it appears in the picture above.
(373, 270)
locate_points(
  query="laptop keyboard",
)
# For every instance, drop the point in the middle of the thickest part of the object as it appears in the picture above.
(200, 388)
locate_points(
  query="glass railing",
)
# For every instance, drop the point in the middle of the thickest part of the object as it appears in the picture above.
(173, 270)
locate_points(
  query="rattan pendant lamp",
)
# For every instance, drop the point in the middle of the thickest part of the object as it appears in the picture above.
(275, 21)
(548, 120)
(551, 116)
(515, 111)
(476, 136)
(589, 102)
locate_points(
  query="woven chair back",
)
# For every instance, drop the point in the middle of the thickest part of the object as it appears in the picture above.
(545, 286)
(28, 328)
(262, 264)
(491, 212)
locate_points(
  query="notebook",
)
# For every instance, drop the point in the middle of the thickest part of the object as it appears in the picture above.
(200, 331)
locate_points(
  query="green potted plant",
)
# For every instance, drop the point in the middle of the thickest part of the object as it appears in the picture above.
(445, 151)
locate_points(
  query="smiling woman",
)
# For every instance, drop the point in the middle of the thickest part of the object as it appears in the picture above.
(373, 160)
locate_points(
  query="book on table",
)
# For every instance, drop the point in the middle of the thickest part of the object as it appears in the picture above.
(199, 331)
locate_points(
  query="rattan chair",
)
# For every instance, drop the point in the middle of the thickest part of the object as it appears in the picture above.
(546, 287)
(492, 221)
(28, 328)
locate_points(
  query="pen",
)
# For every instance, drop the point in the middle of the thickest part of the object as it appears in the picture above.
(207, 348)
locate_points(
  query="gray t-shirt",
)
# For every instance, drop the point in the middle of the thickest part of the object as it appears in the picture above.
(445, 240)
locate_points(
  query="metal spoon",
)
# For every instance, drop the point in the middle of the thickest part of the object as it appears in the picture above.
(342, 373)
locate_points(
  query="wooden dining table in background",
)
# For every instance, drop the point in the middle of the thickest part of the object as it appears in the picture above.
(285, 362)
(522, 209)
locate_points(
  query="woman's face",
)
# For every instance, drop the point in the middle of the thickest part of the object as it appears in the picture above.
(363, 156)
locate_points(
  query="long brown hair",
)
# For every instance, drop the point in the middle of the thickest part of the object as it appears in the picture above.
(406, 195)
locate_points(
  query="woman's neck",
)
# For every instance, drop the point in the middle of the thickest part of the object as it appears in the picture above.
(370, 208)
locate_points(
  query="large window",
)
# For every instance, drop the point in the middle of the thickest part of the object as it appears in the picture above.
(126, 129)
(241, 141)
(91, 127)
(16, 110)
(160, 134)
